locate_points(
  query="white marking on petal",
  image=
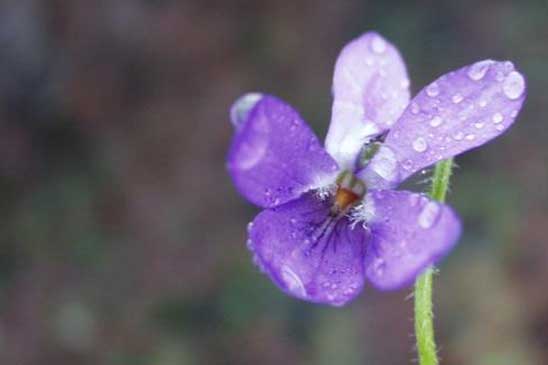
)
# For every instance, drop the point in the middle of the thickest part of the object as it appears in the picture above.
(351, 80)
(349, 106)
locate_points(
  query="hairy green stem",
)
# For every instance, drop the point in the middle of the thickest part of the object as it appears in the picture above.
(424, 324)
(440, 180)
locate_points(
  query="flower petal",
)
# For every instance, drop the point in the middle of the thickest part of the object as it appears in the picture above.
(307, 254)
(370, 90)
(459, 111)
(409, 232)
(275, 156)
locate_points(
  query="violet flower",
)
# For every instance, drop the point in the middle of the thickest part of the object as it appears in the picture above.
(331, 219)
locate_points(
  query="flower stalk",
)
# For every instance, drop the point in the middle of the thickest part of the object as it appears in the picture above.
(424, 324)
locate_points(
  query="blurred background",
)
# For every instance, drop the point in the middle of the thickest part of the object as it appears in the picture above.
(123, 239)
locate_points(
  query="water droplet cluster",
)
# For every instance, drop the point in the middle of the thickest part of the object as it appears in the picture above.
(422, 217)
(441, 122)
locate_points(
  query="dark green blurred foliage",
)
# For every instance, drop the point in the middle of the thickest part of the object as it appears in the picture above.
(123, 239)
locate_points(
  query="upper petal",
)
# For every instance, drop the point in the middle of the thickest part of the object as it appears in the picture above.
(307, 254)
(459, 111)
(409, 232)
(275, 156)
(370, 91)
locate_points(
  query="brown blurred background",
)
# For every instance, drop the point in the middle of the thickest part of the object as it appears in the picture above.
(122, 237)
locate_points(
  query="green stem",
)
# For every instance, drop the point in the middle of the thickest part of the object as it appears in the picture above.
(424, 324)
(440, 180)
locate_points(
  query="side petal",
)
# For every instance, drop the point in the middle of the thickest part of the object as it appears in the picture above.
(459, 111)
(370, 91)
(275, 156)
(307, 254)
(409, 232)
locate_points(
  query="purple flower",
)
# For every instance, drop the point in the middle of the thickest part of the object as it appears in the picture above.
(330, 219)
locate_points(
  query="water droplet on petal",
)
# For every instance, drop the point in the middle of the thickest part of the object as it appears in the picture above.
(514, 113)
(293, 221)
(293, 126)
(349, 291)
(514, 85)
(436, 121)
(420, 144)
(378, 45)
(500, 127)
(414, 199)
(404, 84)
(482, 103)
(241, 108)
(429, 215)
(415, 109)
(313, 144)
(479, 125)
(293, 282)
(379, 266)
(497, 118)
(258, 262)
(407, 164)
(470, 137)
(478, 70)
(433, 89)
(396, 252)
(385, 164)
(250, 245)
(249, 227)
(457, 98)
(458, 136)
